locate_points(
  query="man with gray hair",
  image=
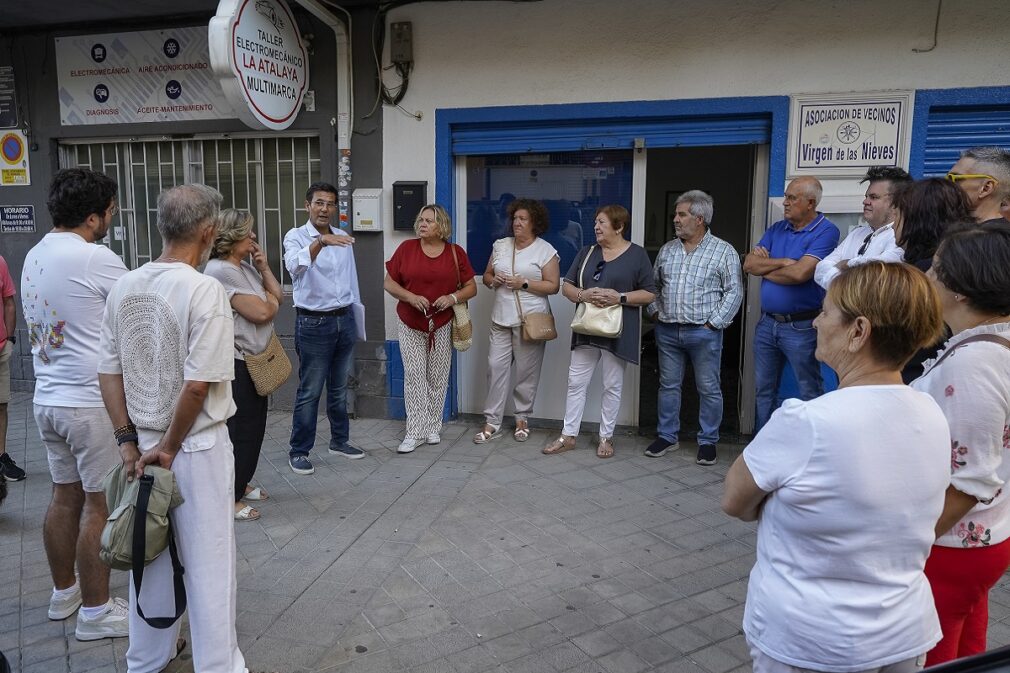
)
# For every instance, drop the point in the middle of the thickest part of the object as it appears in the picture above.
(699, 289)
(165, 369)
(983, 174)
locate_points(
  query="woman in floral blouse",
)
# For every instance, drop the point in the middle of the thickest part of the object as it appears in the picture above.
(970, 380)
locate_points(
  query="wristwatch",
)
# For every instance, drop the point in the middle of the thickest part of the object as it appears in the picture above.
(624, 298)
(526, 285)
(13, 338)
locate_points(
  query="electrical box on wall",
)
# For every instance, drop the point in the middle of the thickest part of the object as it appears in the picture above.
(408, 199)
(367, 204)
(401, 42)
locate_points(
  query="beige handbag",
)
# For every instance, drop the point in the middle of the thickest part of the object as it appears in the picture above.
(269, 369)
(592, 320)
(462, 326)
(536, 326)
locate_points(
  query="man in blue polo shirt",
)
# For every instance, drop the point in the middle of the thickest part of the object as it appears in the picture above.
(786, 258)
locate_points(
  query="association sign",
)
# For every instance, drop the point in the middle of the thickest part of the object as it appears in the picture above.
(143, 76)
(14, 167)
(257, 53)
(846, 134)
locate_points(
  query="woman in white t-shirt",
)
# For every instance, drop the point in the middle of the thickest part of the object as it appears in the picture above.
(970, 380)
(255, 296)
(524, 270)
(846, 489)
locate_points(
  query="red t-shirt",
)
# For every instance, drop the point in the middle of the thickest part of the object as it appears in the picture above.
(427, 277)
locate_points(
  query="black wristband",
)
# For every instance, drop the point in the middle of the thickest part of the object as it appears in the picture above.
(127, 437)
(13, 338)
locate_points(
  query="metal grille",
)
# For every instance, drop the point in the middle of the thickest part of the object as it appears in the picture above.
(265, 175)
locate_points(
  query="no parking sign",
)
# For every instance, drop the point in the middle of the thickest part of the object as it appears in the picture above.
(14, 159)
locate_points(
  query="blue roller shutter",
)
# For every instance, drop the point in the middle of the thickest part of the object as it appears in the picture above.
(951, 130)
(594, 134)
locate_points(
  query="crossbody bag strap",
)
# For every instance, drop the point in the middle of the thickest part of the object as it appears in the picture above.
(515, 293)
(991, 338)
(139, 553)
(582, 270)
(455, 265)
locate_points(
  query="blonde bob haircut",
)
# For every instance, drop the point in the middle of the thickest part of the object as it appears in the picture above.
(442, 221)
(899, 302)
(232, 226)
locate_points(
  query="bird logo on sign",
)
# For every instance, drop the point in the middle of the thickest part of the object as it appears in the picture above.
(266, 8)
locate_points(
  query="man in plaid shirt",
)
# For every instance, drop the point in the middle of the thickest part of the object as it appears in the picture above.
(699, 290)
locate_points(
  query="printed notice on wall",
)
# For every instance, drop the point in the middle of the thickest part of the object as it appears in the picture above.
(17, 219)
(14, 168)
(845, 134)
(145, 76)
(8, 98)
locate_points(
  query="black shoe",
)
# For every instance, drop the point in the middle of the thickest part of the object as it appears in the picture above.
(706, 454)
(9, 468)
(659, 447)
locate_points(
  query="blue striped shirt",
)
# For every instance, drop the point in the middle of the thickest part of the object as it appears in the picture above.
(704, 285)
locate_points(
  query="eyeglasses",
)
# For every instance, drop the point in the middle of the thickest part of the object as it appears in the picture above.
(957, 177)
(865, 245)
(325, 204)
(599, 270)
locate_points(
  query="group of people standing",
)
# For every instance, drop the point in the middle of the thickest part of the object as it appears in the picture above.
(882, 518)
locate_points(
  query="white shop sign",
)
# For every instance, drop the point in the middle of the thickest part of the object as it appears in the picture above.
(145, 76)
(845, 134)
(257, 53)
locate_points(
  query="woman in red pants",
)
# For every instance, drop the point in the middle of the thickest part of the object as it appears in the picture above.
(970, 380)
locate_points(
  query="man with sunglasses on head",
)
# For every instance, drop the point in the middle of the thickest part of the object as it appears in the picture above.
(319, 257)
(873, 240)
(983, 173)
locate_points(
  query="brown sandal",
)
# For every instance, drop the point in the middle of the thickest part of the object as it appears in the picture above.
(605, 449)
(559, 445)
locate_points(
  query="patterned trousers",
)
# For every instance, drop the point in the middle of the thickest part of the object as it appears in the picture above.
(425, 378)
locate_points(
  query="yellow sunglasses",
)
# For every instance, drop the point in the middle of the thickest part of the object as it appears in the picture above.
(957, 177)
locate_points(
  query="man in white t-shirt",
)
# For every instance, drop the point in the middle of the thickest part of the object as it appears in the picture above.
(165, 367)
(875, 239)
(64, 283)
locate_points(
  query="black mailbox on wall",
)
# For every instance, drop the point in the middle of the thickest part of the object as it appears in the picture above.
(408, 199)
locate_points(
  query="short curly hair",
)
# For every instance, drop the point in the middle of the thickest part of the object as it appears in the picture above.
(539, 218)
(77, 193)
(232, 226)
(442, 221)
(974, 260)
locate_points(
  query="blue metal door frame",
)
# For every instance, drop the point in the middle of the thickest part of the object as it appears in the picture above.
(926, 100)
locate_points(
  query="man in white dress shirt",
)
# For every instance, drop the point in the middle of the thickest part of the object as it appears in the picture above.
(875, 239)
(319, 257)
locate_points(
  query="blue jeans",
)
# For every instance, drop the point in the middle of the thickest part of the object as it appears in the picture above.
(325, 347)
(704, 347)
(775, 343)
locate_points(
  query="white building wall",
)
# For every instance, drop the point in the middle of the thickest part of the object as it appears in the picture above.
(473, 54)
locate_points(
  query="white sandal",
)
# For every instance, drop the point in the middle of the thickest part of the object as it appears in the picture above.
(522, 434)
(256, 495)
(484, 436)
(247, 513)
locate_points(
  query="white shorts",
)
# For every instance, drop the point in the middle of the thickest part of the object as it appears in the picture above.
(5, 372)
(80, 443)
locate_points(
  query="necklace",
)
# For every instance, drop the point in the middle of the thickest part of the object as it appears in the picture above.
(989, 321)
(170, 259)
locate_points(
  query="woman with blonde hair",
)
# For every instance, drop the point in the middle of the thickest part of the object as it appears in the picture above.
(846, 489)
(255, 296)
(427, 275)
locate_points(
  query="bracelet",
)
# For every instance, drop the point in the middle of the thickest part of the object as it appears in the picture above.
(578, 299)
(454, 300)
(128, 429)
(127, 437)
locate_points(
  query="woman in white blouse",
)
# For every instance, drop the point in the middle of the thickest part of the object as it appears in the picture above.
(846, 489)
(524, 270)
(970, 380)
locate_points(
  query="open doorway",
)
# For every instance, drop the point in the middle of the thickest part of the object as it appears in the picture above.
(727, 174)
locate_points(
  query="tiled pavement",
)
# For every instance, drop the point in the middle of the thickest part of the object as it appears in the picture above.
(456, 558)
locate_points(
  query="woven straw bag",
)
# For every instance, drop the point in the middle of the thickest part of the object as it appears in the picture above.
(462, 326)
(269, 369)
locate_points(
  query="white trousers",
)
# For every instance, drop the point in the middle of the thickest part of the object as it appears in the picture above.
(580, 371)
(205, 536)
(425, 378)
(506, 345)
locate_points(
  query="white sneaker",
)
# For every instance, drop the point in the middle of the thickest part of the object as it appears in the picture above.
(434, 438)
(409, 444)
(113, 623)
(61, 608)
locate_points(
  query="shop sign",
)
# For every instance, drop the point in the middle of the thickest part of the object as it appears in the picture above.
(845, 134)
(8, 98)
(257, 52)
(143, 76)
(17, 219)
(14, 167)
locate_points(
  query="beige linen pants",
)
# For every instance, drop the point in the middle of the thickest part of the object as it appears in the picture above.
(580, 372)
(506, 345)
(425, 378)
(205, 535)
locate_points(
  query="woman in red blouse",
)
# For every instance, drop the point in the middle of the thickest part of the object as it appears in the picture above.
(422, 274)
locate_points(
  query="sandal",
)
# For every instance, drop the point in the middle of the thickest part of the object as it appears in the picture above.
(522, 432)
(256, 494)
(605, 449)
(559, 445)
(247, 513)
(484, 436)
(180, 645)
